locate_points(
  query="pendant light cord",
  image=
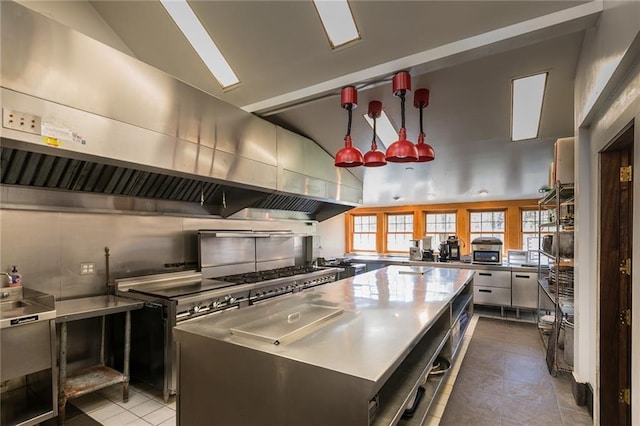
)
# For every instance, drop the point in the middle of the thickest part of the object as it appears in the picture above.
(421, 108)
(349, 107)
(401, 95)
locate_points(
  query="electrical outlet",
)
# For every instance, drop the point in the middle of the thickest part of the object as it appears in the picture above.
(20, 121)
(88, 268)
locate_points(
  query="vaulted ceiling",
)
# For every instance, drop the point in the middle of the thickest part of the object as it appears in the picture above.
(465, 52)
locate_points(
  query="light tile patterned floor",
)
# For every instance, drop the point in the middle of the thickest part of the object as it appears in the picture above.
(145, 407)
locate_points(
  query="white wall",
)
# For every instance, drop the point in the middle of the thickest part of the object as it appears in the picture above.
(331, 235)
(607, 98)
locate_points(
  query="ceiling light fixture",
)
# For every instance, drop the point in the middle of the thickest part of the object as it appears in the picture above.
(402, 150)
(526, 106)
(425, 151)
(349, 156)
(374, 158)
(337, 21)
(192, 28)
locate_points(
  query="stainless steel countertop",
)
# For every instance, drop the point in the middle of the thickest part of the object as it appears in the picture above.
(400, 260)
(384, 313)
(95, 306)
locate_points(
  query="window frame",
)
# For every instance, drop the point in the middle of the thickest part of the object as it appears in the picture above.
(538, 233)
(386, 233)
(425, 224)
(374, 233)
(504, 233)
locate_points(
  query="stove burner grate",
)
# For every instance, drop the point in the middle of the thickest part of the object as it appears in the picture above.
(272, 274)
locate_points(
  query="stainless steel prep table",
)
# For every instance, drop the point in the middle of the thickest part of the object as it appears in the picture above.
(362, 347)
(99, 376)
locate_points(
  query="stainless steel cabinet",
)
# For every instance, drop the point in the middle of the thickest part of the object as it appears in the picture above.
(524, 289)
(492, 288)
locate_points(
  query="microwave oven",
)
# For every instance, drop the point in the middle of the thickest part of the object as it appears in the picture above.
(486, 250)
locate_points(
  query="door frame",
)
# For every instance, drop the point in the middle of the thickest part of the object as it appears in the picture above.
(616, 243)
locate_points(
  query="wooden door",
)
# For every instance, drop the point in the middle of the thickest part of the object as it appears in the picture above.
(616, 210)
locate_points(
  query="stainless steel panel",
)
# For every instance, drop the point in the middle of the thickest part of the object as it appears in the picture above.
(121, 144)
(275, 264)
(32, 241)
(25, 349)
(226, 251)
(347, 361)
(133, 92)
(274, 248)
(140, 116)
(488, 278)
(137, 244)
(524, 289)
(497, 296)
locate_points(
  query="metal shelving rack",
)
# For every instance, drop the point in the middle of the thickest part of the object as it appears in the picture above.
(556, 283)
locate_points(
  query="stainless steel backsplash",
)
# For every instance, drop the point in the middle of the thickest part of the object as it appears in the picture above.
(49, 247)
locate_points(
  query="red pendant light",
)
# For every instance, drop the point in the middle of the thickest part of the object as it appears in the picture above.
(425, 151)
(402, 150)
(349, 156)
(374, 158)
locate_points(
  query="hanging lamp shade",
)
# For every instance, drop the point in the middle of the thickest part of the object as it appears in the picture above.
(425, 151)
(402, 150)
(349, 156)
(374, 158)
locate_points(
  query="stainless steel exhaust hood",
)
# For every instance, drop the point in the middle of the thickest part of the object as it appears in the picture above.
(81, 118)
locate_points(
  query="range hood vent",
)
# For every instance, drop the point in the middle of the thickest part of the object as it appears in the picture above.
(288, 203)
(33, 169)
(106, 142)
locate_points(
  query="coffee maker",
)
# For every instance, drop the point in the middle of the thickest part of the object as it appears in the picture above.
(454, 247)
(444, 251)
(415, 252)
(427, 251)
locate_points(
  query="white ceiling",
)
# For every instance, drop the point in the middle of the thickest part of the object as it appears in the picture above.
(464, 52)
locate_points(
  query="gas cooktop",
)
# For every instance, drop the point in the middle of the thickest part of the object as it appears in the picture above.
(272, 274)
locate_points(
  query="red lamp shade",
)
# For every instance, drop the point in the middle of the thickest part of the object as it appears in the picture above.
(425, 151)
(374, 158)
(349, 156)
(402, 151)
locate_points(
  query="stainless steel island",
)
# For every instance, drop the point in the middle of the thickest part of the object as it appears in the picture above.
(355, 352)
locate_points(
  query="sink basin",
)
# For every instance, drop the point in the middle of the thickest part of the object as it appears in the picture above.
(30, 306)
(14, 304)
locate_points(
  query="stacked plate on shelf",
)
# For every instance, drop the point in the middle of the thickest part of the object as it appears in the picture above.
(561, 281)
(545, 323)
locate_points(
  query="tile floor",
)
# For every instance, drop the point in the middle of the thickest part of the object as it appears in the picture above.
(105, 407)
(498, 378)
(503, 380)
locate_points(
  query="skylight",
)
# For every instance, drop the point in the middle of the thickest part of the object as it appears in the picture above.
(193, 30)
(387, 134)
(337, 20)
(526, 106)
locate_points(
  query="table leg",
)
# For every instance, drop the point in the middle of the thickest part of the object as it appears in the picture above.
(62, 378)
(127, 349)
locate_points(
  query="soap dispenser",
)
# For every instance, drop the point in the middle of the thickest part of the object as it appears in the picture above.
(16, 278)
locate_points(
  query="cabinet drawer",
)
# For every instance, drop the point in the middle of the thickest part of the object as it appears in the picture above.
(491, 296)
(484, 278)
(524, 289)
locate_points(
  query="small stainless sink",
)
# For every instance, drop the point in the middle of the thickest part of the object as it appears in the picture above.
(22, 305)
(14, 304)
